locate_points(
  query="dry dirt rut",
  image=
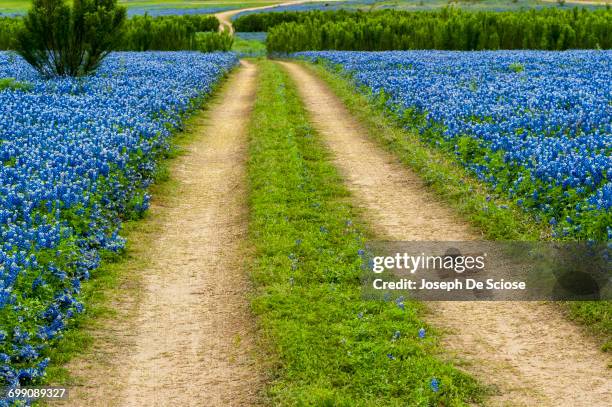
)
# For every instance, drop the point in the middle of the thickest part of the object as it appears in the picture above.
(529, 352)
(193, 330)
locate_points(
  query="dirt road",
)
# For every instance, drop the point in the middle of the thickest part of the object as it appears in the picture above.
(225, 17)
(527, 350)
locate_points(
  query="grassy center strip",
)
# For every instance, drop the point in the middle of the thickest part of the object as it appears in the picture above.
(328, 345)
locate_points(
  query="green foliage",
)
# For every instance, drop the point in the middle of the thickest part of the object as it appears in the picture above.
(12, 84)
(166, 33)
(597, 315)
(9, 27)
(331, 346)
(449, 28)
(59, 40)
(258, 22)
(516, 67)
(214, 41)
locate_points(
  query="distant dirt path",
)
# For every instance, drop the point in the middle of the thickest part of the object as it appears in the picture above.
(527, 350)
(188, 340)
(225, 17)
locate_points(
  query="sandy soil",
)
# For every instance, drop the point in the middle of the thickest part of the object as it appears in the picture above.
(190, 341)
(194, 332)
(526, 351)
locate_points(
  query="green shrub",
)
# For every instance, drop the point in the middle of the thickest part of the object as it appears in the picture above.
(448, 29)
(140, 33)
(59, 40)
(166, 33)
(217, 41)
(9, 27)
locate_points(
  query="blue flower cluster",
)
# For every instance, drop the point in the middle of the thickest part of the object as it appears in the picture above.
(76, 158)
(536, 126)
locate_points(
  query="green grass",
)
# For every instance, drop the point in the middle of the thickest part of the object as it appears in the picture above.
(327, 345)
(157, 4)
(595, 315)
(248, 47)
(13, 84)
(497, 218)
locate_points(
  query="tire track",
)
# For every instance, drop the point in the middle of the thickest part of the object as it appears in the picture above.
(189, 339)
(194, 331)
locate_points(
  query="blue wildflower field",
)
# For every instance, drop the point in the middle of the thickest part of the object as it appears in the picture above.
(535, 126)
(76, 158)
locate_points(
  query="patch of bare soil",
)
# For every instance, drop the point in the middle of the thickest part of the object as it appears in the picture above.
(529, 352)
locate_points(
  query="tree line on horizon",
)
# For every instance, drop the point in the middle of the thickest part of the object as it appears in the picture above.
(447, 29)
